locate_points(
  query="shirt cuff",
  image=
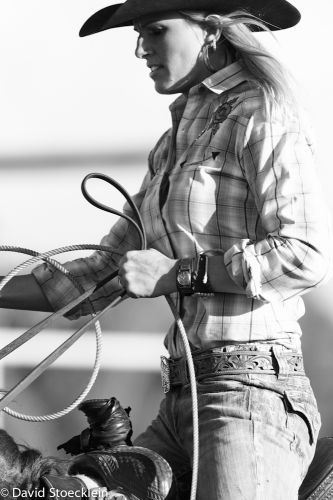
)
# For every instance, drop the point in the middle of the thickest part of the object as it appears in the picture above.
(244, 269)
(58, 288)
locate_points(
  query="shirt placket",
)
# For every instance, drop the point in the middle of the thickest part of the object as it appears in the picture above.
(163, 194)
(178, 136)
(165, 182)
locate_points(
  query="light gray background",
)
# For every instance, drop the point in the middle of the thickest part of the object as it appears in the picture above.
(70, 106)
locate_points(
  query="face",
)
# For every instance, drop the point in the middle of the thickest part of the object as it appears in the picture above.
(171, 46)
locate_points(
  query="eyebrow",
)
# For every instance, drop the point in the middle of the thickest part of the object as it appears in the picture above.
(138, 26)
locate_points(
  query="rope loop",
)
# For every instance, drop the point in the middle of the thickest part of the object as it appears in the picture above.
(46, 257)
(136, 220)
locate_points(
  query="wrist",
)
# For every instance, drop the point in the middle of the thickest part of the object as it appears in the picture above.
(167, 283)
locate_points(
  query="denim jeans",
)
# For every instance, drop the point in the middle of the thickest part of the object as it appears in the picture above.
(257, 435)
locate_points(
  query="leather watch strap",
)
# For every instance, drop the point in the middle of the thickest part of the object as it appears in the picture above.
(201, 284)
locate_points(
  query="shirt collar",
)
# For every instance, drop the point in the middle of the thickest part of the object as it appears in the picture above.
(226, 78)
(221, 81)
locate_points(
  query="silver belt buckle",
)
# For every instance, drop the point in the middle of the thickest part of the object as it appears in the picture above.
(165, 374)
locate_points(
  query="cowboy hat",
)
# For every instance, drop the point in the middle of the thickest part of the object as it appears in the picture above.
(276, 14)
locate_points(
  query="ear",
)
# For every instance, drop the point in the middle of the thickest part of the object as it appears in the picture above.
(212, 39)
(213, 29)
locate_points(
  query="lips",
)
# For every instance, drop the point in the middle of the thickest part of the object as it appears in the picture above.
(154, 68)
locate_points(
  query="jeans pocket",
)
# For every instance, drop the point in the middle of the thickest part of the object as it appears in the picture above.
(304, 405)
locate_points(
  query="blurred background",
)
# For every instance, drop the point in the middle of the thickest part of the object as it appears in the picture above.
(72, 106)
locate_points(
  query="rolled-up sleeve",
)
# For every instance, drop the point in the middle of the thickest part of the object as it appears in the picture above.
(293, 253)
(91, 270)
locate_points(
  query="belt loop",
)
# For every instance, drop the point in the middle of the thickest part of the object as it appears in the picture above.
(283, 367)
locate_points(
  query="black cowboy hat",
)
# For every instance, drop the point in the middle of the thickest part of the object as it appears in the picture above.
(276, 14)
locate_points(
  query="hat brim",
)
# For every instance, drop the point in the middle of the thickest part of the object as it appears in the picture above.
(276, 14)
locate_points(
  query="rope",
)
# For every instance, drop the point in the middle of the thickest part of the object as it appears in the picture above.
(46, 257)
(194, 394)
(138, 224)
(140, 228)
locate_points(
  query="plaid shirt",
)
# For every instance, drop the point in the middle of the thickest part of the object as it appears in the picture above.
(227, 178)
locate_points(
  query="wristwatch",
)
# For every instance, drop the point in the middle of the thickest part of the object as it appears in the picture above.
(184, 276)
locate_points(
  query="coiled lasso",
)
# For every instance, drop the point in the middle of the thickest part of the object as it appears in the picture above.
(84, 295)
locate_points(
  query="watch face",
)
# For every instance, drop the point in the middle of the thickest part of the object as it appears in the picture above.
(184, 278)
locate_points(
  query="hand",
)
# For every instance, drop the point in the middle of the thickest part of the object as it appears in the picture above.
(147, 273)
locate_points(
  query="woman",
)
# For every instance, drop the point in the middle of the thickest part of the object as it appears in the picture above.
(236, 233)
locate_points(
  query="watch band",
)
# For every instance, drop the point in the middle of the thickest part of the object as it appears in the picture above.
(185, 276)
(201, 284)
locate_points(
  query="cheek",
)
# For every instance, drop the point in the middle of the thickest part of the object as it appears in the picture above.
(185, 61)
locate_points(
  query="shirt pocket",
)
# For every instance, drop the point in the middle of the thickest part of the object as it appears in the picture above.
(304, 405)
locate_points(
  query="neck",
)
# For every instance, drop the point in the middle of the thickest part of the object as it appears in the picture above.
(221, 57)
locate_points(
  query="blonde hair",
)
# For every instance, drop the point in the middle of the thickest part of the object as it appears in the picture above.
(265, 69)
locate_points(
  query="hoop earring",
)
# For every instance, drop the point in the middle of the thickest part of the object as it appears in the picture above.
(205, 55)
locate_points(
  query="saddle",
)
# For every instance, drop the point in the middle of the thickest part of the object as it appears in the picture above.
(104, 451)
(137, 473)
(134, 473)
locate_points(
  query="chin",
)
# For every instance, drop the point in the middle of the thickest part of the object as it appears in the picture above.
(167, 90)
(176, 86)
(162, 89)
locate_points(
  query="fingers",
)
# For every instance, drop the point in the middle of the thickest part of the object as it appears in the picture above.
(140, 271)
(123, 283)
(124, 268)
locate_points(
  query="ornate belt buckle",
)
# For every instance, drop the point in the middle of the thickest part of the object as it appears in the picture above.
(165, 374)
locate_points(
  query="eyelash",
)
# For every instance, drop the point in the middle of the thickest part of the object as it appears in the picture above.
(155, 31)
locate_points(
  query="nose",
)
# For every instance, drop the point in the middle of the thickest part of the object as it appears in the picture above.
(141, 49)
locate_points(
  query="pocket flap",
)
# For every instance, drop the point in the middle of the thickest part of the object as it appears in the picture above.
(304, 404)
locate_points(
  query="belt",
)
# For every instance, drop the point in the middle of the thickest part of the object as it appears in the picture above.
(211, 363)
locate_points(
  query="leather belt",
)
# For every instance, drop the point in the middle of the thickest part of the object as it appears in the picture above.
(212, 363)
